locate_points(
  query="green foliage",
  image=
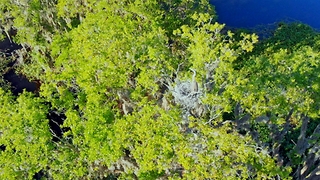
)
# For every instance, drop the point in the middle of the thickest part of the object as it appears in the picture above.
(279, 76)
(25, 134)
(291, 36)
(263, 131)
(111, 67)
(280, 81)
(212, 55)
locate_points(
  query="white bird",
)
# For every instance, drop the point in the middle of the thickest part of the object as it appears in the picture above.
(194, 84)
(165, 104)
(126, 107)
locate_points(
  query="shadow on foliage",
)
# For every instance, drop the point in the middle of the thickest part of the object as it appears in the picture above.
(2, 147)
(290, 36)
(40, 175)
(55, 122)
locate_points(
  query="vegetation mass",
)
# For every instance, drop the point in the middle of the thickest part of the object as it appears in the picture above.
(150, 89)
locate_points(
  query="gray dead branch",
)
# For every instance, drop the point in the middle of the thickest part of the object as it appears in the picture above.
(263, 119)
(311, 157)
(315, 135)
(238, 111)
(243, 123)
(302, 143)
(278, 137)
(314, 175)
(124, 164)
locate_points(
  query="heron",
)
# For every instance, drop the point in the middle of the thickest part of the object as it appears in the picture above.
(165, 103)
(126, 107)
(194, 84)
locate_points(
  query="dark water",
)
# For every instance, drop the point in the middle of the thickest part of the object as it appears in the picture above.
(19, 83)
(7, 47)
(251, 13)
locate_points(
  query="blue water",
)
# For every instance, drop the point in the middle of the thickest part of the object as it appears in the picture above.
(251, 13)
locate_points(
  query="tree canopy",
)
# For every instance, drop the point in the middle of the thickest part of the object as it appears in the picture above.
(149, 89)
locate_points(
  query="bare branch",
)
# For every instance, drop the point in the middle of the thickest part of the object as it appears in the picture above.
(279, 136)
(302, 143)
(314, 175)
